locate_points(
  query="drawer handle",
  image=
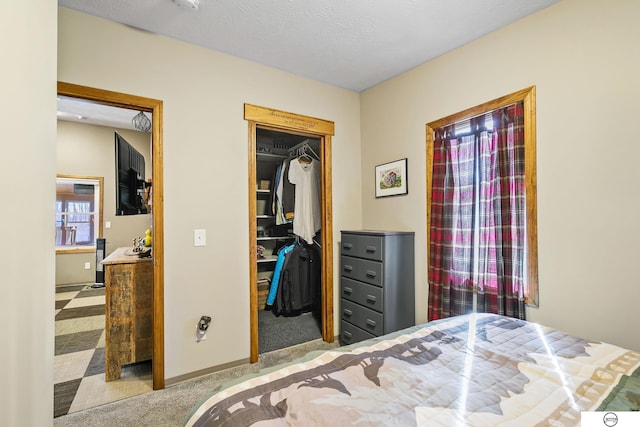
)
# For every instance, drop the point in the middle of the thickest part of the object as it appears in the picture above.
(371, 273)
(348, 268)
(371, 323)
(371, 298)
(347, 246)
(347, 312)
(347, 334)
(371, 249)
(347, 291)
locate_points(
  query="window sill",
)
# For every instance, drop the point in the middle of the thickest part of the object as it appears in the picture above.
(75, 250)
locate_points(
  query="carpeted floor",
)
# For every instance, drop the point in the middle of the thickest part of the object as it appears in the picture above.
(171, 406)
(276, 332)
(79, 362)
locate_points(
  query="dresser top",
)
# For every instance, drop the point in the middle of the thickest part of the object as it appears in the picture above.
(124, 256)
(378, 232)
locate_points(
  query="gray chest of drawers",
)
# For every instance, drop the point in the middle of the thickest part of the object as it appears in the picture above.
(377, 283)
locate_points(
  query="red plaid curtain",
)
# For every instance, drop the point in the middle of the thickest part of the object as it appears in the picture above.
(478, 217)
(450, 264)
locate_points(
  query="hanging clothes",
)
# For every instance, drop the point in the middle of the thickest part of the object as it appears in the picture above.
(275, 280)
(282, 195)
(305, 175)
(274, 189)
(280, 219)
(288, 193)
(299, 282)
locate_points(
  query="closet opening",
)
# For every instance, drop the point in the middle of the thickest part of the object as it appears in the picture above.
(290, 229)
(288, 239)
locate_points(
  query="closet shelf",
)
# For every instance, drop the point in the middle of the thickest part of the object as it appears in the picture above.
(264, 216)
(268, 258)
(263, 191)
(270, 157)
(274, 238)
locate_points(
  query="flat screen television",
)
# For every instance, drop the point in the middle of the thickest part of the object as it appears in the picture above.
(130, 182)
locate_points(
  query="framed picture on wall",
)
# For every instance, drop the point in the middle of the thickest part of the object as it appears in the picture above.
(392, 179)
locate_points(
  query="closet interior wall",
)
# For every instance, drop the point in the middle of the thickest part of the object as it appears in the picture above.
(276, 331)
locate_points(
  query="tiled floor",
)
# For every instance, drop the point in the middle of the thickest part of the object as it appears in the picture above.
(79, 355)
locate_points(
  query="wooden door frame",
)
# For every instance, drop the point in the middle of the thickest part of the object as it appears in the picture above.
(269, 118)
(153, 106)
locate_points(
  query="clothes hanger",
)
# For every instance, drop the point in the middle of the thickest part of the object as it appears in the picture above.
(308, 147)
(303, 156)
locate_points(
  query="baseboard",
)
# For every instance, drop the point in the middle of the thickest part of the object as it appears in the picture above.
(191, 375)
(181, 378)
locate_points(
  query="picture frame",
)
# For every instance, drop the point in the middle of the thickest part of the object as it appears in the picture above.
(391, 179)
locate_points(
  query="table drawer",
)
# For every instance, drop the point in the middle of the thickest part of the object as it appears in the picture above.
(362, 293)
(362, 317)
(369, 247)
(362, 270)
(350, 334)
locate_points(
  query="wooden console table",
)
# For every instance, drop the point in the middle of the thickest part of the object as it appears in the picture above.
(129, 310)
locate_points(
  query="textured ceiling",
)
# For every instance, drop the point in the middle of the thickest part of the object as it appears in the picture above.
(353, 44)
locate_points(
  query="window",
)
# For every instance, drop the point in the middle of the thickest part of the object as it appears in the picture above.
(527, 255)
(78, 213)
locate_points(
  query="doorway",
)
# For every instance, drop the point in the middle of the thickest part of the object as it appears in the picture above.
(154, 107)
(266, 119)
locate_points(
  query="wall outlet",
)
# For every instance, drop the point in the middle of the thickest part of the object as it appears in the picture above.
(201, 328)
(87, 266)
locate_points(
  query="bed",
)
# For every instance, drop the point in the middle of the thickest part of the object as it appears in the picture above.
(477, 370)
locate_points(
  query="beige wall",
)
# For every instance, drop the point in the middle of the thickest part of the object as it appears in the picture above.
(88, 150)
(584, 59)
(28, 123)
(581, 55)
(205, 166)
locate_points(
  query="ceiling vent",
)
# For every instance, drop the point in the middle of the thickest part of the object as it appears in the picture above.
(189, 4)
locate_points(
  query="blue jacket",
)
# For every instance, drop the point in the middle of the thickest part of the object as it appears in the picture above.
(273, 289)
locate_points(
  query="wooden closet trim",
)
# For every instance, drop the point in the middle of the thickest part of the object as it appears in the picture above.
(269, 118)
(285, 120)
(154, 106)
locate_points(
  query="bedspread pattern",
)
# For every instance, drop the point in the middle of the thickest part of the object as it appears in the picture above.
(472, 370)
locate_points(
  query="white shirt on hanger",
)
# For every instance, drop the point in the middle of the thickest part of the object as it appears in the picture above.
(308, 215)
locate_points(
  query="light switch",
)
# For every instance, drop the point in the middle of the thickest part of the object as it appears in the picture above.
(200, 237)
(107, 224)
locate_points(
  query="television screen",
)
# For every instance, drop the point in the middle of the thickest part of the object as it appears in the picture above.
(130, 182)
